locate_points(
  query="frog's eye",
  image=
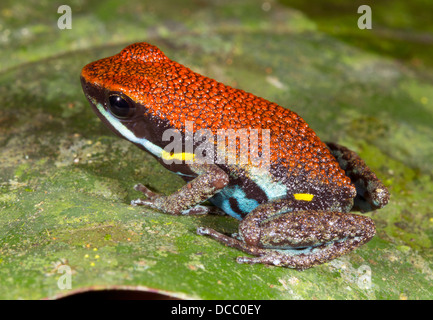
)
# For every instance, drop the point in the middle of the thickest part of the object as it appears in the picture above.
(120, 106)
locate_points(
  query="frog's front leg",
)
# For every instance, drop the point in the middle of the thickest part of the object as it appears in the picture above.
(371, 194)
(186, 201)
(276, 235)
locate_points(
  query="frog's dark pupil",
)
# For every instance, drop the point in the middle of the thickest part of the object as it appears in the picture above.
(119, 106)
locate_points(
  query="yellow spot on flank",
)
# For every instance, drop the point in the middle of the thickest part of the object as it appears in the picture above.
(303, 196)
(177, 156)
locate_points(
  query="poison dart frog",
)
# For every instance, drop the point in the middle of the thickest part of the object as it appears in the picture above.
(295, 212)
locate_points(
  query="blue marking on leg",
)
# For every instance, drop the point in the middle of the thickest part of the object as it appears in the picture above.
(221, 200)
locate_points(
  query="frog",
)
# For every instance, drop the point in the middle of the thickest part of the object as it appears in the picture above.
(300, 206)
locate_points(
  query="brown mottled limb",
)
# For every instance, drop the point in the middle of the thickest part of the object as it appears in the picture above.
(186, 200)
(371, 194)
(298, 239)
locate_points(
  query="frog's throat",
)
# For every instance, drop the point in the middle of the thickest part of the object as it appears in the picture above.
(126, 133)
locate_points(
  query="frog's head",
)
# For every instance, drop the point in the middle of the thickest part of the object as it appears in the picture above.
(118, 89)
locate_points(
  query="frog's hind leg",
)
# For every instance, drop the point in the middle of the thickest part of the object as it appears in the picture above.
(276, 235)
(371, 194)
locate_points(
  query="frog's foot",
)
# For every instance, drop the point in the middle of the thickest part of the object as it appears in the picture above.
(213, 210)
(143, 189)
(299, 239)
(153, 199)
(187, 200)
(371, 194)
(202, 209)
(302, 258)
(159, 202)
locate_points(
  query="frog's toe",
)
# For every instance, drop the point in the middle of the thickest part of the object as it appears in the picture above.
(202, 231)
(146, 191)
(156, 203)
(380, 197)
(371, 193)
(141, 202)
